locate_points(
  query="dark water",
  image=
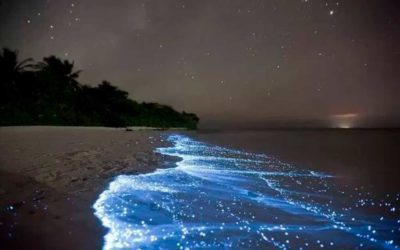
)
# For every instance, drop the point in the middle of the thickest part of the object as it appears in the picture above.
(220, 198)
(358, 157)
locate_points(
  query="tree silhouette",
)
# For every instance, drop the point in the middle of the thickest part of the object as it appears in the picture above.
(59, 71)
(10, 72)
(10, 68)
(48, 92)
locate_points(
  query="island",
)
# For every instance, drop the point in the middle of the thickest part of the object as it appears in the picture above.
(49, 93)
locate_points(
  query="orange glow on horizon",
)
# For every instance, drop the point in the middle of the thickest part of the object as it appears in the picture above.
(344, 121)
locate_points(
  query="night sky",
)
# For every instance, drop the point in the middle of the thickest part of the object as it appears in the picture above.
(234, 63)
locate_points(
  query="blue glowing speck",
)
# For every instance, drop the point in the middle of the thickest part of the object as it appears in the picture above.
(218, 198)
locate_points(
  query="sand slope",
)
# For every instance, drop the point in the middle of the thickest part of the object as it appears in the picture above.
(50, 177)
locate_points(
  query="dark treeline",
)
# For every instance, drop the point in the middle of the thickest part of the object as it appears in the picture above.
(48, 93)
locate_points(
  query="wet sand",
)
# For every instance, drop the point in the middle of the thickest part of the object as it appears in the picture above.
(51, 176)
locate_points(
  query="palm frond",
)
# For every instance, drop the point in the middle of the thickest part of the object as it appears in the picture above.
(24, 64)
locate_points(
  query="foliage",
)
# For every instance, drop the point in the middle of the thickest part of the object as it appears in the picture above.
(48, 93)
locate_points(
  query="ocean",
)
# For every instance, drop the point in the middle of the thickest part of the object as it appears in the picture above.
(363, 157)
(261, 190)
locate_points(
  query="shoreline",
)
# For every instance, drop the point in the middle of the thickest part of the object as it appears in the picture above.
(50, 178)
(63, 127)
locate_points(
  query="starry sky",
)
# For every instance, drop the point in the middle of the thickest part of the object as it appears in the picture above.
(234, 63)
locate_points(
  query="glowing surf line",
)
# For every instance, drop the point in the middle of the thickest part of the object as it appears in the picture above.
(218, 198)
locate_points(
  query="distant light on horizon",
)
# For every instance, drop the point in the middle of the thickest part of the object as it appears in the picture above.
(347, 115)
(252, 75)
(344, 126)
(344, 121)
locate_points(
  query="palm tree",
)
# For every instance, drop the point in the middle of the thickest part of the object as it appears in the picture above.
(10, 72)
(9, 65)
(61, 70)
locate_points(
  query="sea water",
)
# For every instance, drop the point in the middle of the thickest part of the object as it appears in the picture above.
(219, 198)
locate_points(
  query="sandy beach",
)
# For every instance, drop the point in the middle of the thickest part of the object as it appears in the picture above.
(51, 176)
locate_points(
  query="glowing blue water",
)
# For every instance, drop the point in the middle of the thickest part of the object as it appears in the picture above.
(217, 198)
